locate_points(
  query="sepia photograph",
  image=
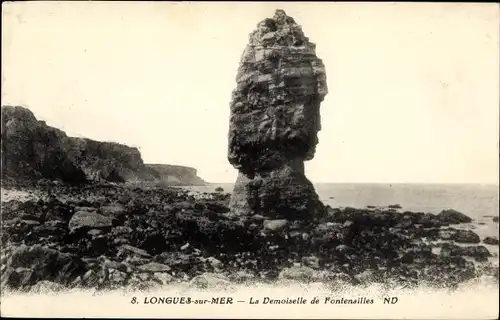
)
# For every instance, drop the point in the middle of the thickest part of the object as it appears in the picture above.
(250, 159)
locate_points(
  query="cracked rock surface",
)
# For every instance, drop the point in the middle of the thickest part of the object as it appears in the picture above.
(275, 118)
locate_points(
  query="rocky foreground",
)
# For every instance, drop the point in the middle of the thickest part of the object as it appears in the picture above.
(118, 236)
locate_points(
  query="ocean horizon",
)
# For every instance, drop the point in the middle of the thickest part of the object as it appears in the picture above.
(478, 201)
(474, 199)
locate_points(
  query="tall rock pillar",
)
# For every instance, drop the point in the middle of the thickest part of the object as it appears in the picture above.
(274, 122)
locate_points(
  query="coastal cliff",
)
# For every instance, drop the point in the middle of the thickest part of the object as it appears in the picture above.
(274, 121)
(175, 175)
(32, 150)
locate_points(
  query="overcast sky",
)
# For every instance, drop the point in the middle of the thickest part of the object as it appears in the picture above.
(414, 88)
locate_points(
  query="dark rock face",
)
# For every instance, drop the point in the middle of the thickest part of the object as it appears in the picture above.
(274, 122)
(107, 161)
(32, 150)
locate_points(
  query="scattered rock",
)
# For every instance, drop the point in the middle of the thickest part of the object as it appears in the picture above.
(30, 264)
(91, 279)
(136, 260)
(460, 236)
(466, 236)
(154, 267)
(44, 286)
(311, 261)
(210, 280)
(89, 220)
(480, 253)
(94, 232)
(116, 279)
(242, 276)
(394, 206)
(128, 249)
(453, 217)
(146, 285)
(366, 277)
(275, 225)
(300, 273)
(491, 241)
(86, 209)
(163, 277)
(113, 210)
(215, 263)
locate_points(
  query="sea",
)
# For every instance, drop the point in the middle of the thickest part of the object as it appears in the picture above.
(478, 201)
(475, 200)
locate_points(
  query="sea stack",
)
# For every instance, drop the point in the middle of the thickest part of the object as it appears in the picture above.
(274, 122)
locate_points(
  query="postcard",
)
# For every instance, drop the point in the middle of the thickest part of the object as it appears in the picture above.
(250, 160)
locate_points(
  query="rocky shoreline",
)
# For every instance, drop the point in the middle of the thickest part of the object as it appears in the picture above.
(114, 236)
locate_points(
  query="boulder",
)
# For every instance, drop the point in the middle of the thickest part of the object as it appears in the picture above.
(45, 286)
(300, 273)
(154, 267)
(89, 220)
(453, 217)
(210, 280)
(128, 250)
(30, 264)
(491, 241)
(480, 253)
(466, 236)
(113, 210)
(275, 225)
